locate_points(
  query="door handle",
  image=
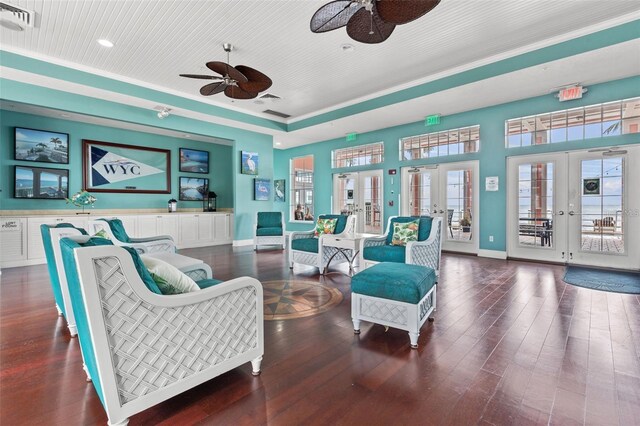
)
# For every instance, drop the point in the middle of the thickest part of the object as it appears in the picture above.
(561, 213)
(571, 213)
(441, 211)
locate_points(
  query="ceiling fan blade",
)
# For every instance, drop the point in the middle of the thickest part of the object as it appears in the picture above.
(258, 82)
(201, 76)
(213, 88)
(400, 12)
(333, 15)
(366, 27)
(223, 69)
(236, 92)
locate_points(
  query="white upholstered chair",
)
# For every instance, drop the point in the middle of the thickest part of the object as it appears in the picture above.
(427, 251)
(306, 249)
(270, 230)
(143, 348)
(118, 235)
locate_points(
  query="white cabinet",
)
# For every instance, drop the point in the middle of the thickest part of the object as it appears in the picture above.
(222, 228)
(35, 247)
(21, 241)
(196, 230)
(168, 225)
(13, 240)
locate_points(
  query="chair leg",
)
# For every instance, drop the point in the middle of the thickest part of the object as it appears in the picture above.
(413, 337)
(451, 231)
(356, 326)
(255, 366)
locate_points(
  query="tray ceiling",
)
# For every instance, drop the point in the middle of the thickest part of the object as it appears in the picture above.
(157, 40)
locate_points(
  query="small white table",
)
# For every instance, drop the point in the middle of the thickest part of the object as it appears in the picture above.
(343, 244)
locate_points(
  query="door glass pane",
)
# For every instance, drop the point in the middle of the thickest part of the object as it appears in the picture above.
(459, 204)
(372, 198)
(535, 205)
(346, 195)
(419, 194)
(601, 228)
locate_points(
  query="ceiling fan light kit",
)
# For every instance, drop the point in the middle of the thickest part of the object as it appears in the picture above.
(369, 21)
(239, 82)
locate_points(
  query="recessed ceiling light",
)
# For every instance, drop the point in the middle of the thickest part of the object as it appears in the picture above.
(187, 136)
(64, 115)
(104, 42)
(278, 143)
(347, 48)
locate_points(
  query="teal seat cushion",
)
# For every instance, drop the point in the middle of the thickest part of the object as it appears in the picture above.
(51, 261)
(340, 224)
(269, 232)
(395, 281)
(305, 244)
(208, 282)
(118, 230)
(424, 228)
(269, 220)
(385, 253)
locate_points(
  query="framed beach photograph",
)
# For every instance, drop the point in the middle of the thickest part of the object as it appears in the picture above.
(249, 163)
(279, 190)
(115, 167)
(192, 188)
(194, 161)
(41, 145)
(41, 183)
(262, 189)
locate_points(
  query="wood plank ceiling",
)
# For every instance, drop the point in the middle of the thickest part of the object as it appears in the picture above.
(157, 40)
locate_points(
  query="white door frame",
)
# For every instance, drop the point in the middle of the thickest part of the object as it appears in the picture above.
(438, 202)
(359, 208)
(567, 218)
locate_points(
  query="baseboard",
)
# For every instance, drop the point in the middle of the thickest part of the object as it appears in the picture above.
(494, 254)
(242, 243)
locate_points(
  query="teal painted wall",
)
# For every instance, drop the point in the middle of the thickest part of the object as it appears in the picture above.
(220, 170)
(492, 156)
(240, 187)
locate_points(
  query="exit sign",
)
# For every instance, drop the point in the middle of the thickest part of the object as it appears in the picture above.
(351, 137)
(432, 120)
(570, 93)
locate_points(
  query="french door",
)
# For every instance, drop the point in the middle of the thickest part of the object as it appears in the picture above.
(579, 207)
(449, 191)
(361, 194)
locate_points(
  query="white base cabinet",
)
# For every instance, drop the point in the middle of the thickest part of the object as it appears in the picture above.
(21, 240)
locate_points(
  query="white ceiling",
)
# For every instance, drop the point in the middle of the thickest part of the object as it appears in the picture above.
(157, 40)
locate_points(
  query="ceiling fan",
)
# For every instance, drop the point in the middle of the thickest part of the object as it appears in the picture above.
(369, 21)
(239, 82)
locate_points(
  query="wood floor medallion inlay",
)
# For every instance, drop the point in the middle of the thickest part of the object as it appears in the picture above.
(289, 299)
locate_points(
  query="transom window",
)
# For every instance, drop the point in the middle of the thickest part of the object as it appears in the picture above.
(594, 121)
(301, 200)
(362, 155)
(440, 144)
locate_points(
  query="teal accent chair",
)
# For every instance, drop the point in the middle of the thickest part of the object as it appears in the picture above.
(270, 230)
(306, 249)
(50, 238)
(116, 233)
(142, 348)
(425, 252)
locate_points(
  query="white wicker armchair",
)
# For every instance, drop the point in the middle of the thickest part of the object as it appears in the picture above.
(425, 253)
(269, 228)
(321, 257)
(144, 348)
(159, 243)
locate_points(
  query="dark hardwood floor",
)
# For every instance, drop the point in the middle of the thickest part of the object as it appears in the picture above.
(511, 344)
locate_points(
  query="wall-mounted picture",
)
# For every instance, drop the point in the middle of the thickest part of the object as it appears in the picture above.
(262, 189)
(115, 167)
(194, 161)
(249, 163)
(41, 145)
(279, 191)
(41, 182)
(193, 189)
